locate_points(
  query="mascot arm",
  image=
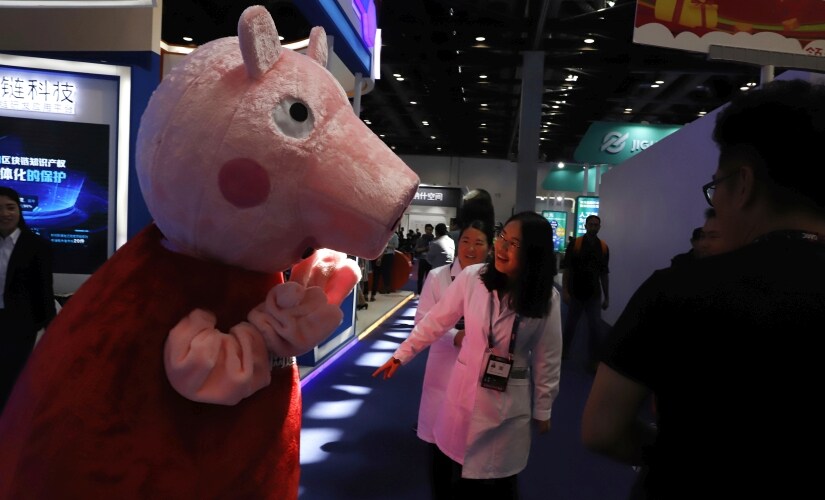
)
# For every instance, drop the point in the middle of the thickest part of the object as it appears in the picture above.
(206, 365)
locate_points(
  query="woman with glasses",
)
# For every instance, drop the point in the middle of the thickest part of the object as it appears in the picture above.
(511, 346)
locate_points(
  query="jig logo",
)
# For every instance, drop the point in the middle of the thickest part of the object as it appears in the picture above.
(614, 142)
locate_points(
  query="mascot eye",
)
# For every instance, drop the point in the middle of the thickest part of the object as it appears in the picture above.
(293, 118)
(298, 112)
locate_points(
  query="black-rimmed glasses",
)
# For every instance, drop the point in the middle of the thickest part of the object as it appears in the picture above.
(710, 187)
(509, 243)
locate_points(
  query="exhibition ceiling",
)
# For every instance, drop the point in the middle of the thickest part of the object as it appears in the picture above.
(458, 65)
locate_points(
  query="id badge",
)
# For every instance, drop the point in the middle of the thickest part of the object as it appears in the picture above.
(497, 373)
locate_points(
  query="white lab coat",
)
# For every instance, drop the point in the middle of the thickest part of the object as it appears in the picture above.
(443, 351)
(488, 431)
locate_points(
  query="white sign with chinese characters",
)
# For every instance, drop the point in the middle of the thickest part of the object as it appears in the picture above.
(36, 94)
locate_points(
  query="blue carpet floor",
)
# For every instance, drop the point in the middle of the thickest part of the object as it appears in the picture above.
(358, 441)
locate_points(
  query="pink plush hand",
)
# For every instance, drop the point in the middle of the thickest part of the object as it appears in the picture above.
(205, 365)
(330, 270)
(293, 319)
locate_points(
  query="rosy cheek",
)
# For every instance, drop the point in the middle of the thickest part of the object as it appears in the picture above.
(243, 182)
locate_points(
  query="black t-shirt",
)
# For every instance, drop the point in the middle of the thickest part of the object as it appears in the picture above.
(585, 268)
(726, 343)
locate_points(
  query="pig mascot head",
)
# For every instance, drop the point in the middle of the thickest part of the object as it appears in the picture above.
(170, 373)
(250, 153)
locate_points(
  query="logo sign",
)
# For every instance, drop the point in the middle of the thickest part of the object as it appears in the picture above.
(787, 26)
(613, 143)
(437, 196)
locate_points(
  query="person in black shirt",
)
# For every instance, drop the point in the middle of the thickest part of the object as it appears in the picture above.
(584, 279)
(724, 344)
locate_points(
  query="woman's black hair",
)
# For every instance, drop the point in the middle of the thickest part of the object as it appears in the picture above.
(532, 288)
(476, 205)
(15, 196)
(480, 226)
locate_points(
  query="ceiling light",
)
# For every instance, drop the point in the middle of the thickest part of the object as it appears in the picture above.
(438, 149)
(628, 110)
(280, 38)
(399, 79)
(610, 3)
(744, 88)
(187, 39)
(482, 76)
(589, 40)
(483, 105)
(559, 198)
(555, 106)
(654, 85)
(751, 84)
(484, 151)
(659, 82)
(382, 135)
(480, 39)
(560, 164)
(432, 137)
(483, 124)
(459, 70)
(367, 122)
(425, 123)
(703, 113)
(393, 147)
(396, 75)
(571, 78)
(413, 102)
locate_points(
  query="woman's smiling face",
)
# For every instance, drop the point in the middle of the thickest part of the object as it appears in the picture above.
(507, 249)
(9, 215)
(472, 247)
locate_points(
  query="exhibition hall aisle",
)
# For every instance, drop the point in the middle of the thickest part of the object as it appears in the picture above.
(358, 441)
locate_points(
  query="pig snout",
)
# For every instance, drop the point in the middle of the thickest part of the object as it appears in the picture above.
(355, 192)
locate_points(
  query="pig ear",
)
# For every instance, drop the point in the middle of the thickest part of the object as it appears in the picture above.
(260, 46)
(318, 48)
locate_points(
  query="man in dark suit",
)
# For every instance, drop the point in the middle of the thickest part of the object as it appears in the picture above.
(27, 303)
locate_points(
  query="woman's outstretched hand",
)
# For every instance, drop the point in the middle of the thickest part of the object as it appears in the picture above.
(388, 368)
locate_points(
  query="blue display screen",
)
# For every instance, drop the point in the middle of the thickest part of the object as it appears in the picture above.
(585, 207)
(61, 170)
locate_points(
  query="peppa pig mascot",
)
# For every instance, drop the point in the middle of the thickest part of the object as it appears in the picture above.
(170, 373)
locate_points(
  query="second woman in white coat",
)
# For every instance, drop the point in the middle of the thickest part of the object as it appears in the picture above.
(486, 432)
(474, 244)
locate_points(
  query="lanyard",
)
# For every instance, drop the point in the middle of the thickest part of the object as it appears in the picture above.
(513, 333)
(792, 235)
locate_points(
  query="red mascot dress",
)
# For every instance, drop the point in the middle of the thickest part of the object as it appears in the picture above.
(150, 442)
